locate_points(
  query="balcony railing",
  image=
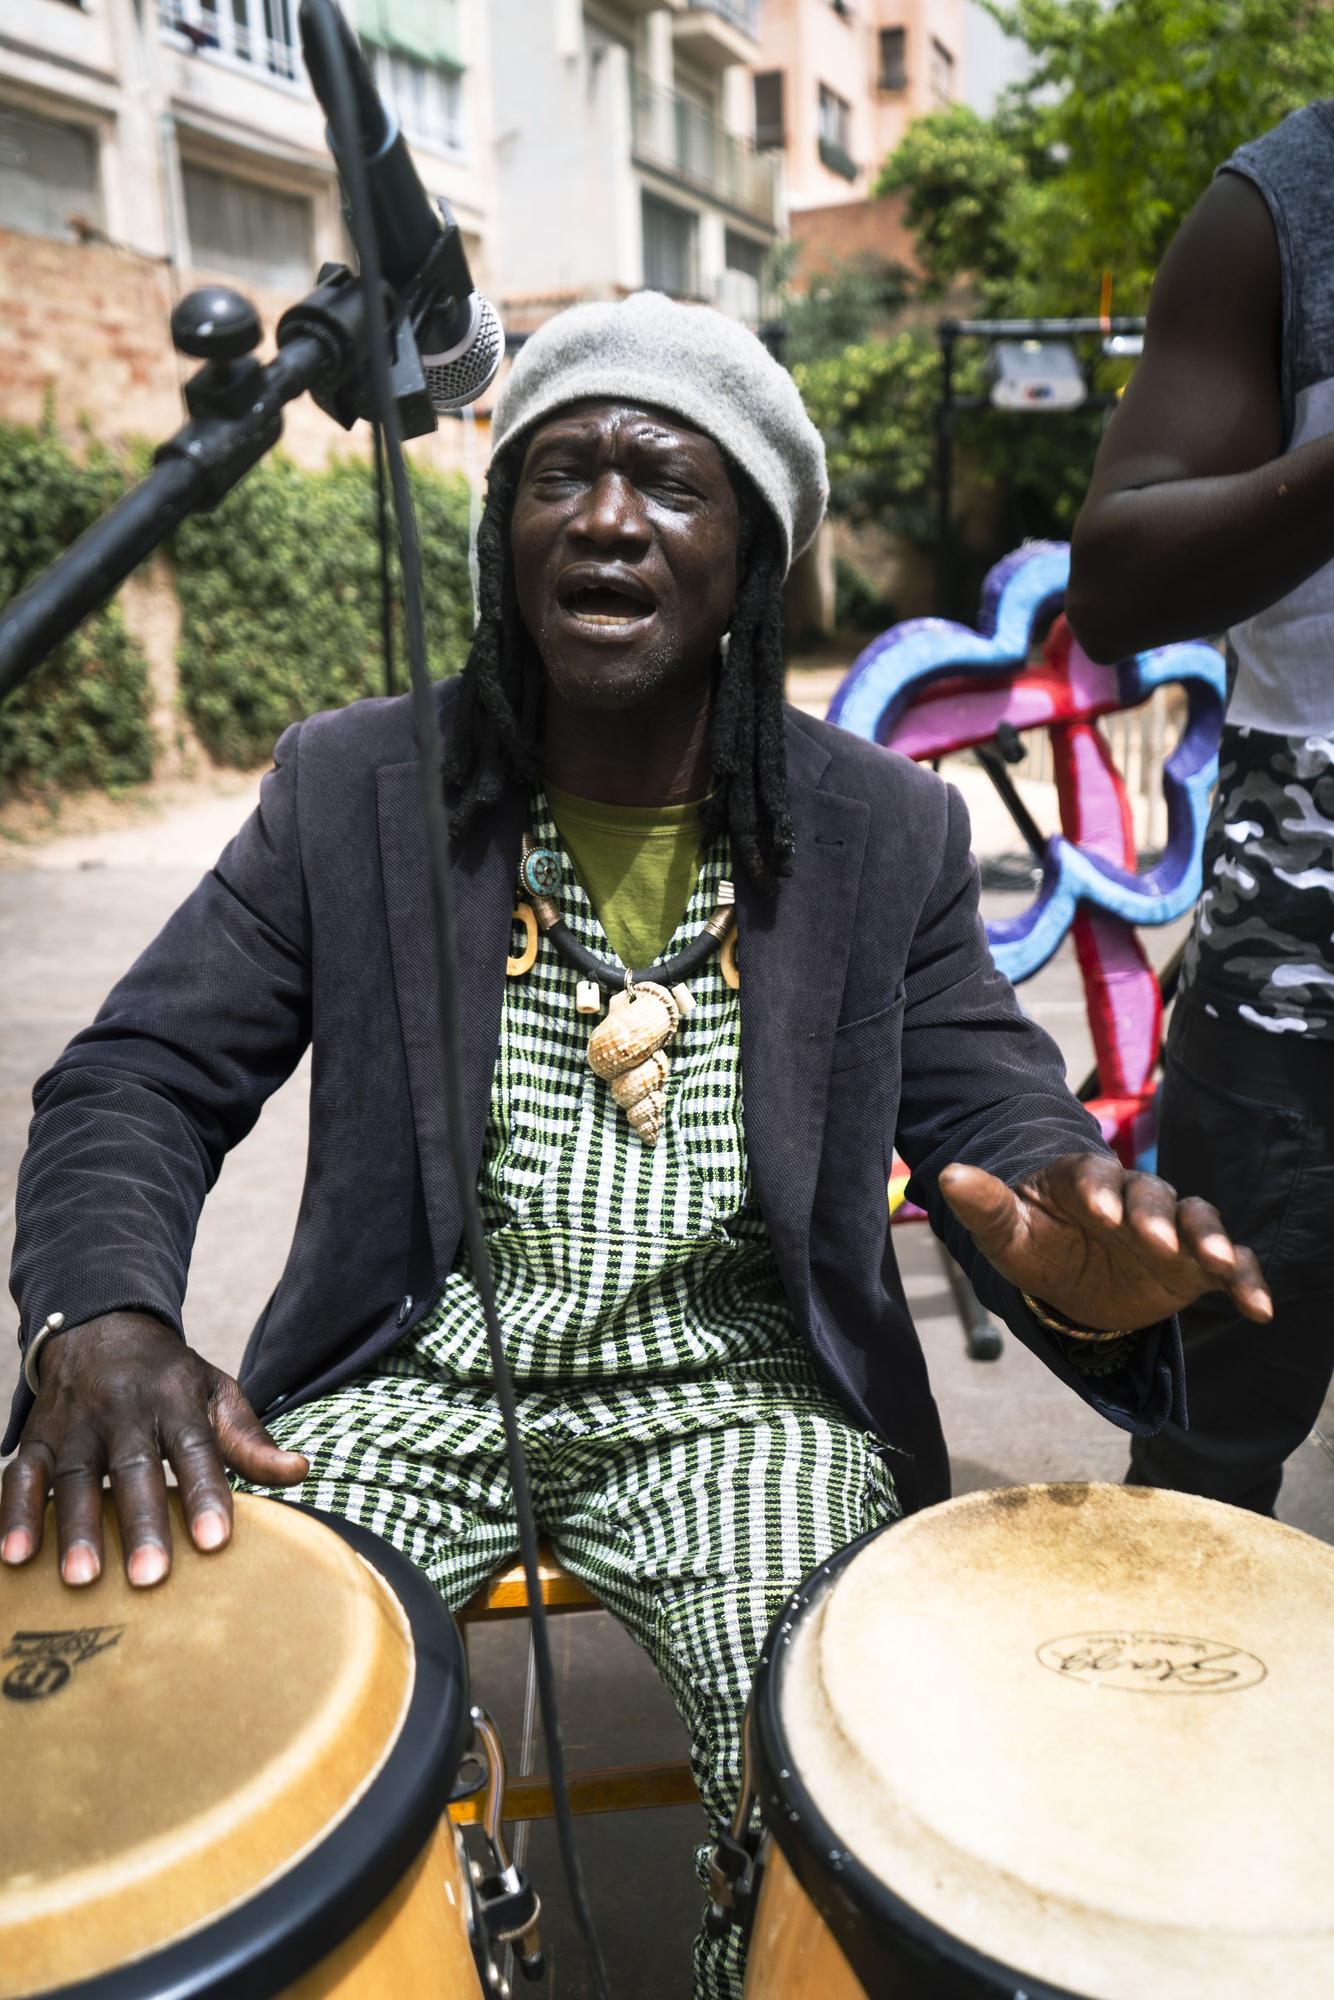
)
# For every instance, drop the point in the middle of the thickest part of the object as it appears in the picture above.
(743, 14)
(247, 34)
(680, 138)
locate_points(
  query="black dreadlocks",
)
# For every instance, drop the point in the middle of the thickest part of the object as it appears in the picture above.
(496, 735)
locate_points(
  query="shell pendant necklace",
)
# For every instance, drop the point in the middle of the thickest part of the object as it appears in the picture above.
(627, 1049)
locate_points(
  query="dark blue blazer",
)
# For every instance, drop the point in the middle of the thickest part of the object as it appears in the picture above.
(870, 1008)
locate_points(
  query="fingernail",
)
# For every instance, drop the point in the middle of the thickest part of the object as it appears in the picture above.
(210, 1531)
(1218, 1246)
(17, 1546)
(80, 1564)
(148, 1564)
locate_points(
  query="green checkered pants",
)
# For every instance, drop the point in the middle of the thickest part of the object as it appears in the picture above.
(691, 1506)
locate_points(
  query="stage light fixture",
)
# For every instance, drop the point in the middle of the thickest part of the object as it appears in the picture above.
(1036, 375)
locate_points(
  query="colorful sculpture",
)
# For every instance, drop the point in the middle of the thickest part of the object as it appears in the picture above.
(930, 686)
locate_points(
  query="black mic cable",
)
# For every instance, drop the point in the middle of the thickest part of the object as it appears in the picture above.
(322, 27)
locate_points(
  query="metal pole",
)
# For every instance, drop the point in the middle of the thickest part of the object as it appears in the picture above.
(946, 334)
(386, 582)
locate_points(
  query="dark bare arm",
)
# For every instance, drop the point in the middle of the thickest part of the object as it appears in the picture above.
(1193, 522)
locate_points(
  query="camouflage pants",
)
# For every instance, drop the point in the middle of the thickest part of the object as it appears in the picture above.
(1248, 1122)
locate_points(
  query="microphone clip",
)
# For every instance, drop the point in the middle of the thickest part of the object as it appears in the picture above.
(347, 395)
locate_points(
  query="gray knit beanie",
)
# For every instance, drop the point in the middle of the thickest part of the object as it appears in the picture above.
(698, 364)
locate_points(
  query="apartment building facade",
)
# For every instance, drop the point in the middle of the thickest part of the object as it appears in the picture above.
(838, 81)
(625, 154)
(146, 142)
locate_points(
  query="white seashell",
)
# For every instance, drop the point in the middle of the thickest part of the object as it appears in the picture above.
(636, 1024)
(685, 1001)
(646, 1117)
(632, 1084)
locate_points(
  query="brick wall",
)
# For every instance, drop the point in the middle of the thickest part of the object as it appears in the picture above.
(827, 236)
(87, 325)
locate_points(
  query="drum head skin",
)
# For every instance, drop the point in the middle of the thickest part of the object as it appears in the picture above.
(209, 1784)
(1063, 1740)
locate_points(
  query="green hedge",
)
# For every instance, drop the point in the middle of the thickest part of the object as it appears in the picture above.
(280, 599)
(83, 718)
(280, 611)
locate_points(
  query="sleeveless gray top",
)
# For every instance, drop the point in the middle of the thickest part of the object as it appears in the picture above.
(1263, 945)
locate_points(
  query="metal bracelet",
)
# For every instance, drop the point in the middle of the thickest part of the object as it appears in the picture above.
(51, 1324)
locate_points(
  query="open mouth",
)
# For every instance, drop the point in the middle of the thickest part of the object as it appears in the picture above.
(613, 606)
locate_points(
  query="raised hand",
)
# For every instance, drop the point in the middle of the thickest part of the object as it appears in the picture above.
(1104, 1246)
(118, 1395)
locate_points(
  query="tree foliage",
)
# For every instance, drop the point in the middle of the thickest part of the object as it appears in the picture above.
(1089, 165)
(964, 180)
(1126, 113)
(873, 403)
(1094, 160)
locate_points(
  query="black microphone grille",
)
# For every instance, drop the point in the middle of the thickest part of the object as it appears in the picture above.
(469, 367)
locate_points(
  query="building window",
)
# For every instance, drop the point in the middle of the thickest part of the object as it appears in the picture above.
(670, 259)
(258, 33)
(426, 98)
(769, 108)
(743, 253)
(835, 118)
(836, 134)
(48, 176)
(248, 231)
(893, 59)
(942, 73)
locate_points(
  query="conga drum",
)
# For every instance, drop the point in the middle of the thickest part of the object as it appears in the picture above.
(1050, 1742)
(234, 1784)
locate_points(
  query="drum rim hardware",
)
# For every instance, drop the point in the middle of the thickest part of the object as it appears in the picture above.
(256, 1949)
(881, 1936)
(736, 1866)
(508, 1905)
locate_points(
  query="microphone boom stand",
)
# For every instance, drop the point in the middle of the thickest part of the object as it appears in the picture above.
(235, 405)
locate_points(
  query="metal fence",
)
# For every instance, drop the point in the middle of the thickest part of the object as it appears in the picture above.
(674, 134)
(743, 14)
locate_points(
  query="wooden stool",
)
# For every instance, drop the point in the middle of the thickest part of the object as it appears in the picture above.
(618, 1787)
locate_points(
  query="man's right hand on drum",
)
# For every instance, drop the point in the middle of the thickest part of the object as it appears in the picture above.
(116, 1397)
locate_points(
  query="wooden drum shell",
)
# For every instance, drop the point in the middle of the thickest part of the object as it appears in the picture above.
(421, 1923)
(234, 1785)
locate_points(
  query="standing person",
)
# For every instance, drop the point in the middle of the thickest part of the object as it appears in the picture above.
(1212, 508)
(718, 1380)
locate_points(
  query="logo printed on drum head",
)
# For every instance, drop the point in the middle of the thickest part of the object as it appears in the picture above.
(1152, 1662)
(47, 1659)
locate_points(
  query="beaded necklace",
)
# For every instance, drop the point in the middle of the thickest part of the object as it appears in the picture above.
(646, 1008)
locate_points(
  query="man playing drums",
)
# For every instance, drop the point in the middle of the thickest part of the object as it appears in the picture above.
(684, 1192)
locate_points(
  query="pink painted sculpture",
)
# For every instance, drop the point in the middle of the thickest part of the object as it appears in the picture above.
(929, 687)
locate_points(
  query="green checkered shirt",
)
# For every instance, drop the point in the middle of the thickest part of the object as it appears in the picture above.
(612, 1258)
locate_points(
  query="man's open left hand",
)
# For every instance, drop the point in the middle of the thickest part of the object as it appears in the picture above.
(1104, 1247)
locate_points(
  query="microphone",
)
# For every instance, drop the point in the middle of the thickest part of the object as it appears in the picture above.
(458, 332)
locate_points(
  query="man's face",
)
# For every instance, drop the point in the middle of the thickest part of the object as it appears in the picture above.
(624, 539)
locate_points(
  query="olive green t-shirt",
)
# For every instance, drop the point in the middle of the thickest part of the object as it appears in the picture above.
(638, 864)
